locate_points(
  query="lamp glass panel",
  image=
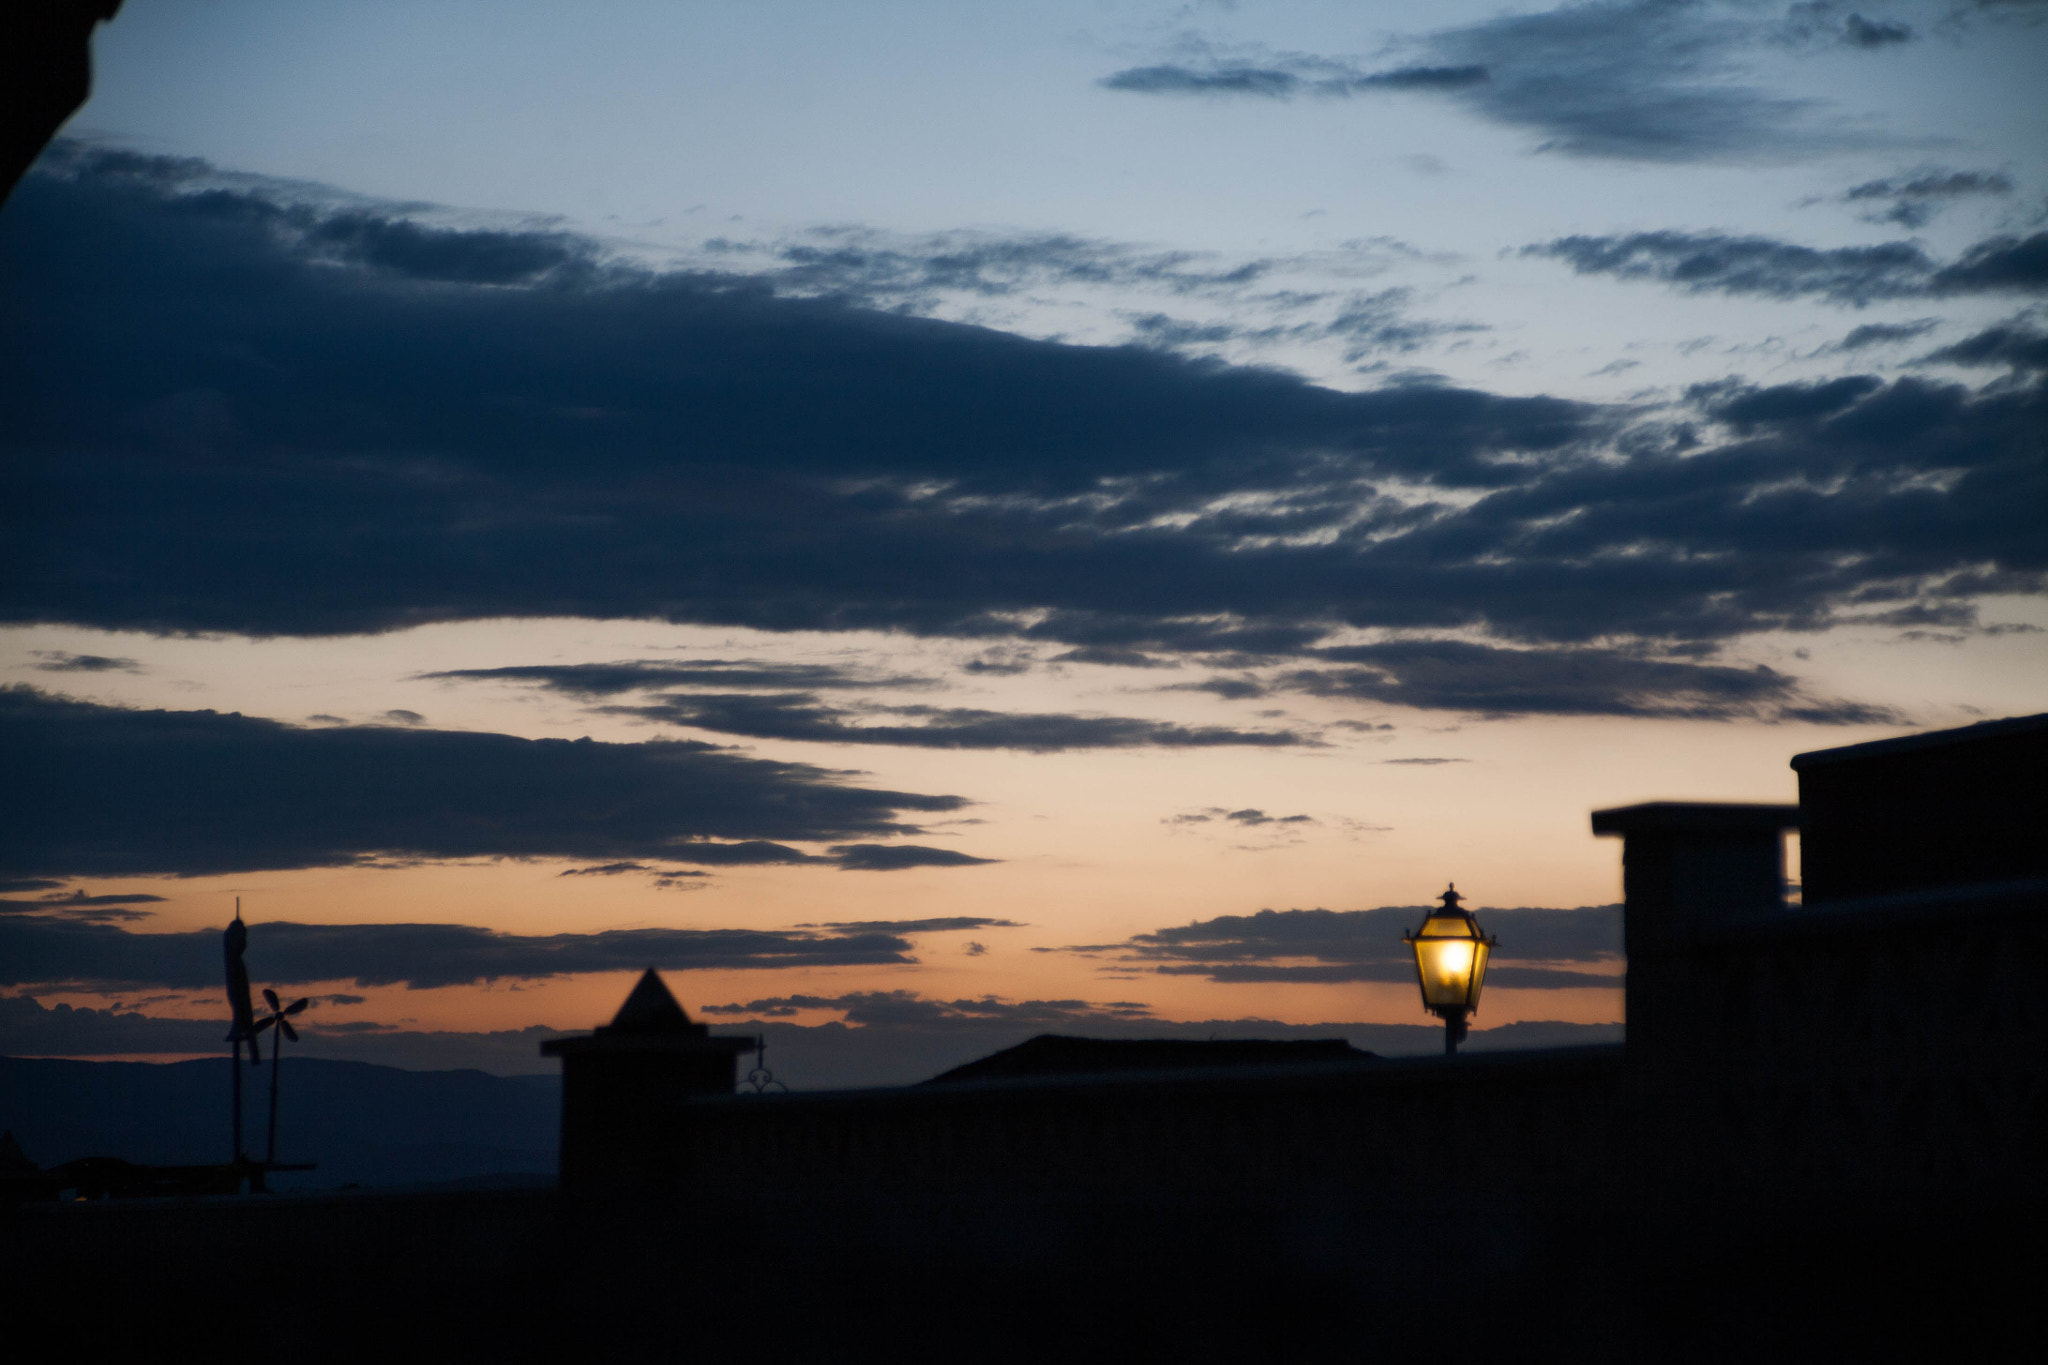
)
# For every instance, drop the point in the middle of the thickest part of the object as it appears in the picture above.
(1448, 926)
(1446, 966)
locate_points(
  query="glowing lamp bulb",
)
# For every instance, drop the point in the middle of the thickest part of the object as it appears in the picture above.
(1451, 953)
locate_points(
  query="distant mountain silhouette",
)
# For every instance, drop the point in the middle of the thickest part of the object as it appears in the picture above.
(365, 1125)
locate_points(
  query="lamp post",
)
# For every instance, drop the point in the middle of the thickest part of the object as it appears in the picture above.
(1450, 965)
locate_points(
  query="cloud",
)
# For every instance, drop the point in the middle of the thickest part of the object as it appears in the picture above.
(1248, 829)
(941, 924)
(1248, 818)
(604, 870)
(1424, 762)
(1221, 80)
(1274, 82)
(1884, 334)
(1251, 818)
(1860, 32)
(2016, 343)
(1254, 301)
(1365, 324)
(1641, 80)
(1540, 948)
(208, 382)
(1914, 201)
(1230, 689)
(874, 268)
(80, 898)
(44, 952)
(1457, 675)
(107, 909)
(1112, 657)
(110, 791)
(801, 716)
(58, 661)
(744, 517)
(633, 675)
(1745, 407)
(897, 857)
(1822, 24)
(1709, 262)
(414, 252)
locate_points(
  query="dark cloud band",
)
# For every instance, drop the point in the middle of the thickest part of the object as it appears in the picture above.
(1719, 263)
(212, 383)
(1637, 80)
(52, 952)
(1541, 949)
(107, 791)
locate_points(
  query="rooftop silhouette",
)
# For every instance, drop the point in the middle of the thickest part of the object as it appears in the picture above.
(1053, 1054)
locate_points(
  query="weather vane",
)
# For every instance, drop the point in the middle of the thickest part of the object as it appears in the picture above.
(247, 1029)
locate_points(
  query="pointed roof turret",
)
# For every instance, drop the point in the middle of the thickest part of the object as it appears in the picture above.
(652, 1009)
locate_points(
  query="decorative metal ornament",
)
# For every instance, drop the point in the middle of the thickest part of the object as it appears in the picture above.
(761, 1081)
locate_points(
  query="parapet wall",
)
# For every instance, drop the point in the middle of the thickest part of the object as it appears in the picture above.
(1540, 1122)
(1889, 1048)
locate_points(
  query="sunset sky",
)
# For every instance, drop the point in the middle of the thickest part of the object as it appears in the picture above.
(926, 521)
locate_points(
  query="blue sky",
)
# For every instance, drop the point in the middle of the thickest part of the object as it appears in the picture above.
(1098, 471)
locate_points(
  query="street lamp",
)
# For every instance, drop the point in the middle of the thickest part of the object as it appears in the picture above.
(1450, 965)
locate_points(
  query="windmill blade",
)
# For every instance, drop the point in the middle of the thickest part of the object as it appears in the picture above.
(258, 1027)
(286, 1025)
(297, 1005)
(270, 997)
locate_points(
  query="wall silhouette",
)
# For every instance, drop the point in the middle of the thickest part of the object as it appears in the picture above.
(1823, 1121)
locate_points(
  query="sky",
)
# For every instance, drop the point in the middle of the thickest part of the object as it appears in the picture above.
(937, 523)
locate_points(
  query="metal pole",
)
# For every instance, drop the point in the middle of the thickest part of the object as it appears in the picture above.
(235, 1065)
(276, 1051)
(1454, 1031)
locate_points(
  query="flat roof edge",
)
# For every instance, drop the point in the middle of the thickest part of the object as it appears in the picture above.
(1926, 739)
(1696, 817)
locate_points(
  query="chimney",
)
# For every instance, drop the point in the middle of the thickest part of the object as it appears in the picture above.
(624, 1086)
(1688, 868)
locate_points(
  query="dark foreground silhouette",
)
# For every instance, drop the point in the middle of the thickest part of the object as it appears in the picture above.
(1821, 1141)
(45, 75)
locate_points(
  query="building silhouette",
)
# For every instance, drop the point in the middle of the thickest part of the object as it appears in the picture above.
(1821, 1138)
(624, 1085)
